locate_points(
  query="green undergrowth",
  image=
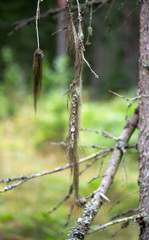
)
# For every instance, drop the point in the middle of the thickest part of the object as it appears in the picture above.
(25, 149)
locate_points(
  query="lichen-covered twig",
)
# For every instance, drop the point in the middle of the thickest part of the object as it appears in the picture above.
(25, 178)
(91, 208)
(11, 186)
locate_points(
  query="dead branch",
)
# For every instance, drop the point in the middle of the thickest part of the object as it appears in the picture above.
(91, 208)
(103, 133)
(25, 178)
(84, 199)
(122, 198)
(69, 215)
(64, 144)
(14, 185)
(51, 12)
(126, 219)
(130, 99)
(63, 200)
(131, 210)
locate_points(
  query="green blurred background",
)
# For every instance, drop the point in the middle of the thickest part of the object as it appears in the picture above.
(25, 138)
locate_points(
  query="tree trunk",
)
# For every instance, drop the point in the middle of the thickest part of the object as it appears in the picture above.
(143, 143)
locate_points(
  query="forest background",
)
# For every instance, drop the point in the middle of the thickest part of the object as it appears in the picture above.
(25, 138)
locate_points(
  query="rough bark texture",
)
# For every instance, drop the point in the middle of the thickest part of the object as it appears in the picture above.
(91, 208)
(143, 143)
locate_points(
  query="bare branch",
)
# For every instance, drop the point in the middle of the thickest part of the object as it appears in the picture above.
(124, 213)
(71, 187)
(63, 200)
(89, 146)
(122, 198)
(69, 215)
(14, 185)
(25, 178)
(91, 208)
(51, 12)
(130, 99)
(92, 146)
(126, 219)
(89, 66)
(103, 133)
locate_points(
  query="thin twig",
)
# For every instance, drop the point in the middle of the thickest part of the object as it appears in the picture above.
(25, 178)
(129, 99)
(14, 185)
(71, 187)
(103, 133)
(126, 219)
(92, 146)
(37, 19)
(81, 146)
(94, 160)
(120, 214)
(63, 200)
(95, 178)
(89, 146)
(69, 215)
(122, 198)
(58, 143)
(99, 174)
(91, 130)
(89, 66)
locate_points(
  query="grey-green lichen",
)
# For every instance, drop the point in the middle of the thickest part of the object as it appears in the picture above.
(83, 224)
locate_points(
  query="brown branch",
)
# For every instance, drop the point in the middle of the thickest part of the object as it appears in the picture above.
(91, 208)
(51, 12)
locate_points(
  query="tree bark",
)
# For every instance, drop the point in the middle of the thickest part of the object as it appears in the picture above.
(143, 125)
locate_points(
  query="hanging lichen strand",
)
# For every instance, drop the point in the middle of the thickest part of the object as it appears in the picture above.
(37, 75)
(37, 62)
(76, 47)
